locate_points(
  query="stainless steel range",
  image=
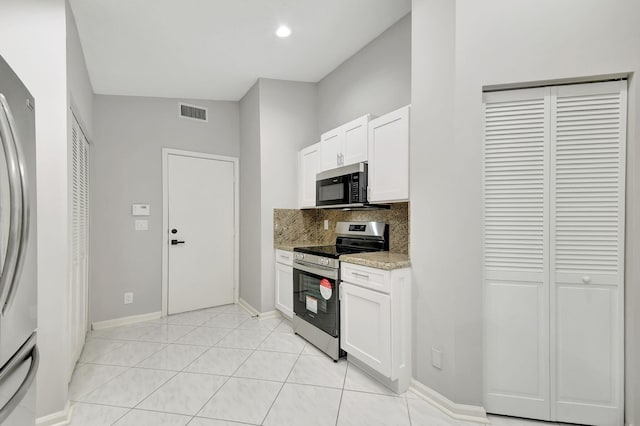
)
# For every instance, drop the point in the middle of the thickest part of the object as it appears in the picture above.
(316, 279)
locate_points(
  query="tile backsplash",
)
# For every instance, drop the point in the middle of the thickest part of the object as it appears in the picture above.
(295, 227)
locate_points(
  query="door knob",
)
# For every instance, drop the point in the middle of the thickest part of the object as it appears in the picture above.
(176, 242)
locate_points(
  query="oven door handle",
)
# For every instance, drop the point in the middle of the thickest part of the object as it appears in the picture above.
(316, 270)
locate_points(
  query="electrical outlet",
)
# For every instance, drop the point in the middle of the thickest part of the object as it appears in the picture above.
(436, 358)
(326, 224)
(128, 298)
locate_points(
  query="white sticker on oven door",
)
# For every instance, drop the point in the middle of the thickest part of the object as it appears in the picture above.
(325, 289)
(312, 304)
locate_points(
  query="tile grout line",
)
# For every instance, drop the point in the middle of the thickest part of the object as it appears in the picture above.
(167, 381)
(283, 383)
(344, 382)
(234, 372)
(165, 344)
(406, 401)
(127, 368)
(194, 360)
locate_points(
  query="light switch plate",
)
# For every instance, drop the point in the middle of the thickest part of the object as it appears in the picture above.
(326, 224)
(142, 225)
(140, 209)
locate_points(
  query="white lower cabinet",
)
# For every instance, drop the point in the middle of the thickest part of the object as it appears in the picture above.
(375, 322)
(366, 326)
(284, 282)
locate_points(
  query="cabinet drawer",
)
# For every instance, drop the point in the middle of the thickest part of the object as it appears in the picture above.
(371, 278)
(284, 257)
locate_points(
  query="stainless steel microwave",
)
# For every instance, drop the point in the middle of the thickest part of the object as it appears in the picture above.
(342, 187)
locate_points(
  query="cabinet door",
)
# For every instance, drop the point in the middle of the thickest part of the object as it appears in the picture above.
(284, 289)
(365, 326)
(309, 165)
(389, 157)
(331, 144)
(588, 138)
(355, 141)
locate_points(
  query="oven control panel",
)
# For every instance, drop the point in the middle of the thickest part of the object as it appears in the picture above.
(313, 259)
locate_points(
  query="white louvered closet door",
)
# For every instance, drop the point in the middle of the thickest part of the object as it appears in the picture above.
(588, 139)
(554, 192)
(516, 268)
(78, 309)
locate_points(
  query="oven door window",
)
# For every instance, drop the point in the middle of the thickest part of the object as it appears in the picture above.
(315, 299)
(332, 191)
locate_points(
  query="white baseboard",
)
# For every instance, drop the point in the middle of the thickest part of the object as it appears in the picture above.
(469, 413)
(61, 418)
(255, 313)
(99, 325)
(269, 315)
(247, 307)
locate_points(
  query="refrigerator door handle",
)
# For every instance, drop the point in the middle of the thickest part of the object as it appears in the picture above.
(29, 350)
(19, 211)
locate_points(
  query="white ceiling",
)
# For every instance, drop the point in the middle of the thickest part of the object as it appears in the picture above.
(216, 49)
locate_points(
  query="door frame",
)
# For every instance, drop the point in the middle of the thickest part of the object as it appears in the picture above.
(165, 219)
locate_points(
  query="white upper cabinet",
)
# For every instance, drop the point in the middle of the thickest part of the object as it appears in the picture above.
(345, 145)
(388, 152)
(331, 149)
(308, 167)
(355, 141)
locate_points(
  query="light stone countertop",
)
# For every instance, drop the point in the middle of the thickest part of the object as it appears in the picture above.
(380, 260)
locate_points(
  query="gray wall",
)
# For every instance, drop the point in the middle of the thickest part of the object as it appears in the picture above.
(277, 118)
(250, 200)
(376, 80)
(288, 122)
(434, 303)
(495, 43)
(126, 168)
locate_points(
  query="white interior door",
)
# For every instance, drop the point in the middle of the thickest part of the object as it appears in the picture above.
(201, 233)
(516, 265)
(588, 139)
(554, 204)
(78, 309)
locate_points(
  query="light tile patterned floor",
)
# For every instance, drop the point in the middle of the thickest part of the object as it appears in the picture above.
(220, 367)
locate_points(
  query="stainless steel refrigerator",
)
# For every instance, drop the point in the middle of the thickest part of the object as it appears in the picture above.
(18, 275)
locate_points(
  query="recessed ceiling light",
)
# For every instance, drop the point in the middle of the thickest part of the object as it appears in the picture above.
(283, 31)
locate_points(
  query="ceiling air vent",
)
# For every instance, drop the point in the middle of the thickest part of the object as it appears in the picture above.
(193, 112)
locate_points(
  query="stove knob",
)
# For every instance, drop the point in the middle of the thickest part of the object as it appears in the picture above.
(299, 255)
(324, 261)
